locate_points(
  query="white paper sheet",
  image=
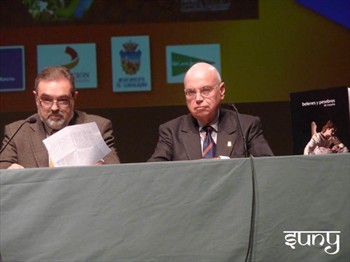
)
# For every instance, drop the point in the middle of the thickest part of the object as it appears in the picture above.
(76, 145)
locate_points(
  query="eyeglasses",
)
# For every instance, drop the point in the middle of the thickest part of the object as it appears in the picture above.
(205, 91)
(60, 102)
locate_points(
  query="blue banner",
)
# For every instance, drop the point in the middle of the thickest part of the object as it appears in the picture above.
(12, 71)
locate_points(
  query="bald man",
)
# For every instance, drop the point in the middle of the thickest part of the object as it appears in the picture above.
(187, 137)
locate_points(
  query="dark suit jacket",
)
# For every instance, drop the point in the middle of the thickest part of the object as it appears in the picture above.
(179, 138)
(28, 150)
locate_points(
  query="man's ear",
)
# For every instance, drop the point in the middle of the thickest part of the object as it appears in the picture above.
(36, 97)
(222, 90)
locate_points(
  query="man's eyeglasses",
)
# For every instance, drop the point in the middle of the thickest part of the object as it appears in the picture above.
(60, 102)
(205, 91)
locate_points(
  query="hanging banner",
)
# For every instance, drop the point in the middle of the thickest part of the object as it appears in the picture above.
(180, 58)
(131, 67)
(12, 70)
(79, 58)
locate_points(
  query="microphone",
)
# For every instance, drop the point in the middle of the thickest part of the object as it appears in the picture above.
(232, 106)
(30, 120)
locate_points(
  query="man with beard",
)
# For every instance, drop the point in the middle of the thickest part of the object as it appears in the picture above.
(209, 131)
(55, 95)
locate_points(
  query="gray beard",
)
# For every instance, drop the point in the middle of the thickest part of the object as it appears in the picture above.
(57, 125)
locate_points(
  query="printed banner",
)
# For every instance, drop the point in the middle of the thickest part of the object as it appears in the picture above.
(125, 11)
(131, 67)
(311, 110)
(57, 10)
(336, 10)
(79, 58)
(180, 58)
(12, 68)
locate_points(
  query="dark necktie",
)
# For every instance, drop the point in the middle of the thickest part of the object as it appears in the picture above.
(209, 146)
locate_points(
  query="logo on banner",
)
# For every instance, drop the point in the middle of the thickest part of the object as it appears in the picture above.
(130, 58)
(74, 56)
(181, 63)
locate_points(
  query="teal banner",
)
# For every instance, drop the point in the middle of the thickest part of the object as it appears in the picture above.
(181, 57)
(79, 58)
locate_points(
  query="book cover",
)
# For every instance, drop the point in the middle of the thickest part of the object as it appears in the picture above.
(311, 110)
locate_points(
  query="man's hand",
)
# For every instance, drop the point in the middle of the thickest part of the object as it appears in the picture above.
(15, 166)
(101, 162)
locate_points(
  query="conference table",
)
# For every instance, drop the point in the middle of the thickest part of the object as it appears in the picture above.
(283, 208)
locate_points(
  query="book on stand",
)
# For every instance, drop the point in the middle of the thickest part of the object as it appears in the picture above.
(313, 109)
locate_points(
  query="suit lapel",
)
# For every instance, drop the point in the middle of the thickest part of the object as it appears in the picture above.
(38, 148)
(226, 135)
(191, 139)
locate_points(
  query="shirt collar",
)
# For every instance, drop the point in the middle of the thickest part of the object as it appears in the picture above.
(214, 124)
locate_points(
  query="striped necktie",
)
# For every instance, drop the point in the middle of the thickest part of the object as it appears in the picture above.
(209, 146)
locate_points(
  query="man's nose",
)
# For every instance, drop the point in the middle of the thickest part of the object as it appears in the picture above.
(54, 107)
(199, 96)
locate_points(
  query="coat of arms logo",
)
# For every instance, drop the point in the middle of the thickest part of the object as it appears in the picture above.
(130, 58)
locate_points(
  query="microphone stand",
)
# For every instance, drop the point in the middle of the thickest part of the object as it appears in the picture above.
(233, 107)
(30, 120)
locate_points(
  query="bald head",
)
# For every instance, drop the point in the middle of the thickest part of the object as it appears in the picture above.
(204, 91)
(202, 70)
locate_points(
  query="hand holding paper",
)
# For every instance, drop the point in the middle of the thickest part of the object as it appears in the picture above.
(76, 145)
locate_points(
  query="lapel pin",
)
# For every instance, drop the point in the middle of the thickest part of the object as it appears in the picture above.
(229, 144)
